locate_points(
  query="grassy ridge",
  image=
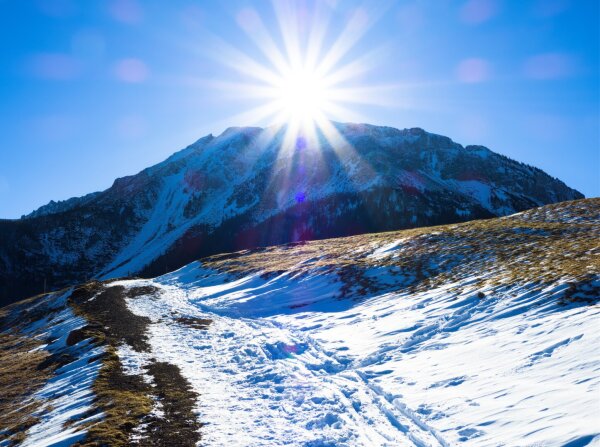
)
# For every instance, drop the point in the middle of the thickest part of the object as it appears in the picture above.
(553, 243)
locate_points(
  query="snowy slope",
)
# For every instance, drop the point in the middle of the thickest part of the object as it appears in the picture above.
(430, 369)
(478, 334)
(250, 187)
(55, 410)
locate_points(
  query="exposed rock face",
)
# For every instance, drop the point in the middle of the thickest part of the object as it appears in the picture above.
(247, 188)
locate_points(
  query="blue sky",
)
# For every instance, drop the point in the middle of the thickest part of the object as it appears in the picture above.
(91, 91)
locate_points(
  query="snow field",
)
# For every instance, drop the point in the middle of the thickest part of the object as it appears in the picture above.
(286, 363)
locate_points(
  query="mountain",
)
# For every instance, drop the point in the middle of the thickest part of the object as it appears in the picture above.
(478, 334)
(251, 187)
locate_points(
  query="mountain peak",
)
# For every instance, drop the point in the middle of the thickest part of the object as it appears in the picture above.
(240, 130)
(243, 189)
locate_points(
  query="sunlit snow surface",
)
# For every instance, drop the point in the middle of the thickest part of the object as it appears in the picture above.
(435, 368)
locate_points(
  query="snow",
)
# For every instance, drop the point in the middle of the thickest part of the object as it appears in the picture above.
(385, 250)
(477, 190)
(232, 163)
(68, 395)
(297, 358)
(286, 363)
(269, 385)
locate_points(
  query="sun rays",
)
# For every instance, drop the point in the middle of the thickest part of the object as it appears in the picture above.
(296, 75)
(302, 78)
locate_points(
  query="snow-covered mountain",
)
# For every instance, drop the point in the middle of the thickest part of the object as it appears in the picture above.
(482, 333)
(248, 187)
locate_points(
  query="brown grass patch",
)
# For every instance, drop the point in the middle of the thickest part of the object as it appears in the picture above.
(24, 368)
(134, 292)
(110, 319)
(126, 400)
(194, 322)
(179, 425)
(20, 378)
(543, 245)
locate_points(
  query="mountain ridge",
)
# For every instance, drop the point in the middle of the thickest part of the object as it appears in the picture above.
(61, 205)
(252, 187)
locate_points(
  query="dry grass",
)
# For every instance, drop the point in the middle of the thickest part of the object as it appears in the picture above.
(557, 242)
(126, 400)
(109, 319)
(179, 425)
(20, 378)
(24, 367)
(194, 322)
(123, 399)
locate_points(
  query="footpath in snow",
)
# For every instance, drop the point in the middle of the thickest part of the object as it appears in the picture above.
(285, 363)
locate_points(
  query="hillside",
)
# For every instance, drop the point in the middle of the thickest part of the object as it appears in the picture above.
(248, 187)
(482, 333)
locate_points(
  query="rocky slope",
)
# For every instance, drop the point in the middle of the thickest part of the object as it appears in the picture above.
(479, 334)
(250, 187)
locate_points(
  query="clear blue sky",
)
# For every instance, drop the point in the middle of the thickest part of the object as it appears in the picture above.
(94, 90)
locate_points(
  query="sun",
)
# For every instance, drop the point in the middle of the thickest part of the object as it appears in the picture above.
(301, 95)
(303, 77)
(305, 81)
